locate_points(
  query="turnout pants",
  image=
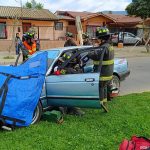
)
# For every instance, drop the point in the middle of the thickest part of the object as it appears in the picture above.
(103, 94)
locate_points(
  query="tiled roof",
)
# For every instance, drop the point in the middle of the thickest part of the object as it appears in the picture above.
(73, 14)
(26, 13)
(65, 17)
(116, 18)
(81, 14)
(124, 19)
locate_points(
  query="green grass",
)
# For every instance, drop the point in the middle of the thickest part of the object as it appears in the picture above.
(9, 57)
(129, 115)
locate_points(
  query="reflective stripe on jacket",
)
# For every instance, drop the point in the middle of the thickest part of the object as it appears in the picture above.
(30, 48)
(107, 63)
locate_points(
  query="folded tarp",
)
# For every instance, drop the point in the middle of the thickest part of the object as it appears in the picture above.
(20, 89)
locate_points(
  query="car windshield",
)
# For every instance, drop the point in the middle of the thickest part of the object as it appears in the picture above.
(52, 54)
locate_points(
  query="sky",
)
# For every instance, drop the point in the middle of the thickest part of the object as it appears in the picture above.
(75, 5)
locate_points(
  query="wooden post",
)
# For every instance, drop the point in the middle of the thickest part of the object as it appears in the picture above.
(79, 29)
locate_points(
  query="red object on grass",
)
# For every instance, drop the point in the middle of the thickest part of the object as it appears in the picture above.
(136, 143)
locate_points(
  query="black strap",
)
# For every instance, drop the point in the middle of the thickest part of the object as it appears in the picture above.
(17, 59)
(12, 119)
(3, 99)
(19, 77)
(4, 90)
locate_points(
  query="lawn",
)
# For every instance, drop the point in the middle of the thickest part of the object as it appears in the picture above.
(129, 115)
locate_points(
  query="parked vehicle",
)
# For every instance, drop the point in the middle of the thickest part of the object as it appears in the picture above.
(126, 38)
(77, 90)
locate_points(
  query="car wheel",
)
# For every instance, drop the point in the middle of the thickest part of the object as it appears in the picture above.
(114, 87)
(37, 114)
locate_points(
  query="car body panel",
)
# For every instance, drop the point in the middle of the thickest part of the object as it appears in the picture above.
(121, 68)
(81, 90)
(128, 38)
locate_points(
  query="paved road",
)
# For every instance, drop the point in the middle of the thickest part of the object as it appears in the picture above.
(139, 79)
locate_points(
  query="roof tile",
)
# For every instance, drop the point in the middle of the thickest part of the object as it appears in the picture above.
(26, 13)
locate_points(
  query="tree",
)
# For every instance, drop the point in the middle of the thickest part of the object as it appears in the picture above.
(34, 4)
(140, 8)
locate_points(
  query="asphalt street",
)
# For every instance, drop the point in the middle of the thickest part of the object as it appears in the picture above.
(139, 79)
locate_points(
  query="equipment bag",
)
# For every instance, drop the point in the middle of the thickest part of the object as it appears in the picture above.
(136, 143)
(20, 89)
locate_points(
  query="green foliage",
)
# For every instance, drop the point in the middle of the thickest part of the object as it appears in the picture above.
(128, 115)
(34, 4)
(139, 8)
(28, 5)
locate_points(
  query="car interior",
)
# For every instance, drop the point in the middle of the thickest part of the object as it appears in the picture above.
(81, 63)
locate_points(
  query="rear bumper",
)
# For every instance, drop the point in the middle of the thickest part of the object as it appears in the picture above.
(124, 75)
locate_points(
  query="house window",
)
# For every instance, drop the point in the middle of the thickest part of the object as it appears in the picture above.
(71, 23)
(26, 27)
(3, 32)
(58, 25)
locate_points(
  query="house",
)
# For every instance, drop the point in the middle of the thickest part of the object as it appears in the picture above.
(90, 21)
(18, 20)
(124, 23)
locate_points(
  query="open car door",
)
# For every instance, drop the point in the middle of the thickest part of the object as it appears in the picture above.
(78, 89)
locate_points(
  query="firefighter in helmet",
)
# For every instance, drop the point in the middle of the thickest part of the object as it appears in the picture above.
(106, 72)
(69, 40)
(28, 45)
(86, 40)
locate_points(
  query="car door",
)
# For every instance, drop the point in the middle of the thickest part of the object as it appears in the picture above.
(132, 39)
(79, 89)
(125, 36)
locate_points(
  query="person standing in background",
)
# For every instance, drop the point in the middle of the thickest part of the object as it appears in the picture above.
(69, 40)
(17, 41)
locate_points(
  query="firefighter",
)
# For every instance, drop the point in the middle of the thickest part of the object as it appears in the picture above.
(28, 45)
(106, 73)
(69, 40)
(58, 70)
(86, 40)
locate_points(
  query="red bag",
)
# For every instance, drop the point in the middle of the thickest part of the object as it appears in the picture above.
(136, 143)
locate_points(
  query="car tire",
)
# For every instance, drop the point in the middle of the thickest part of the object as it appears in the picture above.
(115, 83)
(37, 114)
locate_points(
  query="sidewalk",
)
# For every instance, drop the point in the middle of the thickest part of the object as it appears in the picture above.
(8, 61)
(131, 51)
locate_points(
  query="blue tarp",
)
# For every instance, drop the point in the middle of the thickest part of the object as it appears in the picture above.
(23, 92)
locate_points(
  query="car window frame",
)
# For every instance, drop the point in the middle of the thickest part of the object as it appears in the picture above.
(79, 51)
